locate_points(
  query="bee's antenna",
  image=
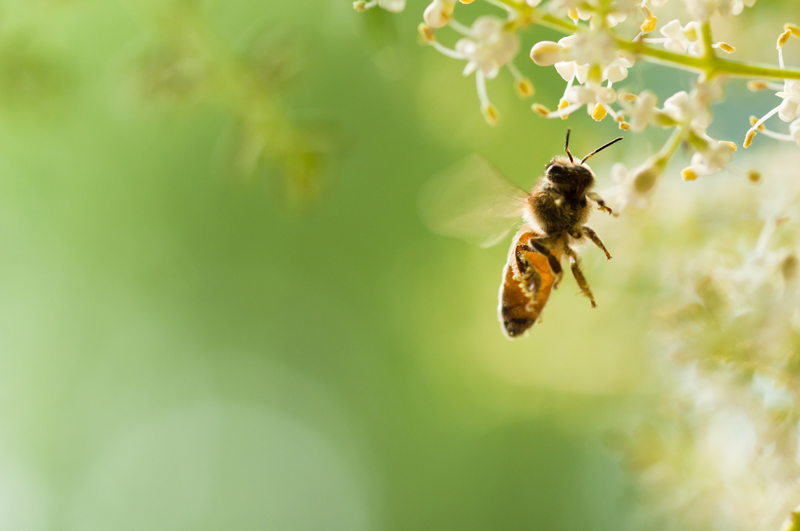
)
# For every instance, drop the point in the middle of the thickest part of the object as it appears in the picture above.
(566, 148)
(601, 148)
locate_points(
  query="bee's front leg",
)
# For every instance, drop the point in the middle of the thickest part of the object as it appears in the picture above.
(575, 262)
(596, 240)
(600, 202)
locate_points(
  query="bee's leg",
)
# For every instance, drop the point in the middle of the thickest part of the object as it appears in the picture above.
(596, 239)
(532, 282)
(575, 262)
(594, 196)
(555, 266)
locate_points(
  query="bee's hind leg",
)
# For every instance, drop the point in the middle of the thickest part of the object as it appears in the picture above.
(575, 262)
(555, 265)
(592, 235)
(531, 281)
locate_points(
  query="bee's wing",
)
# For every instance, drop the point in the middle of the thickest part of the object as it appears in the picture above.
(472, 201)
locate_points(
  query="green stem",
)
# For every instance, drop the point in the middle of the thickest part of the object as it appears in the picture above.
(711, 65)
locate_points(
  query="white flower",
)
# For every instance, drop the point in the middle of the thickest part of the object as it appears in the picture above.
(492, 47)
(591, 93)
(703, 9)
(395, 6)
(682, 39)
(612, 19)
(590, 48)
(788, 109)
(643, 112)
(439, 13)
(738, 6)
(631, 187)
(570, 69)
(617, 70)
(534, 3)
(712, 159)
(688, 112)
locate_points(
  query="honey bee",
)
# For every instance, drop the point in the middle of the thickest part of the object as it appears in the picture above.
(475, 202)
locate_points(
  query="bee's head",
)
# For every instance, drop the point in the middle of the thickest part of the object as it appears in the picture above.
(571, 179)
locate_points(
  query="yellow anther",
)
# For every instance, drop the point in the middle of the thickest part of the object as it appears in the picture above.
(794, 28)
(649, 25)
(728, 144)
(650, 20)
(624, 126)
(725, 47)
(426, 32)
(563, 104)
(467, 1)
(541, 109)
(628, 96)
(753, 175)
(360, 6)
(757, 84)
(688, 174)
(490, 113)
(524, 88)
(784, 38)
(754, 121)
(748, 139)
(599, 112)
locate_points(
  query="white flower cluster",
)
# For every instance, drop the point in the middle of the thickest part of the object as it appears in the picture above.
(789, 108)
(592, 59)
(488, 45)
(719, 447)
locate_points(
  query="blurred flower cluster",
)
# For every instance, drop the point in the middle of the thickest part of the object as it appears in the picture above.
(719, 446)
(188, 61)
(603, 40)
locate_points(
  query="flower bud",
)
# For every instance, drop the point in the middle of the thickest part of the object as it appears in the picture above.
(547, 53)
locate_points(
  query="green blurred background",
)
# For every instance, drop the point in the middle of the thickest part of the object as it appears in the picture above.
(183, 347)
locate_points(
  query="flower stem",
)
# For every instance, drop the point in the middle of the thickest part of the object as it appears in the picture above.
(710, 64)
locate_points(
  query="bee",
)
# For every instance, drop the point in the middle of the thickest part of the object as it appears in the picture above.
(475, 202)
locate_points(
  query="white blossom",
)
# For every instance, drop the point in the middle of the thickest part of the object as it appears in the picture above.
(712, 159)
(591, 93)
(642, 112)
(682, 39)
(703, 9)
(395, 6)
(617, 70)
(592, 48)
(632, 187)
(439, 13)
(788, 109)
(491, 48)
(688, 112)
